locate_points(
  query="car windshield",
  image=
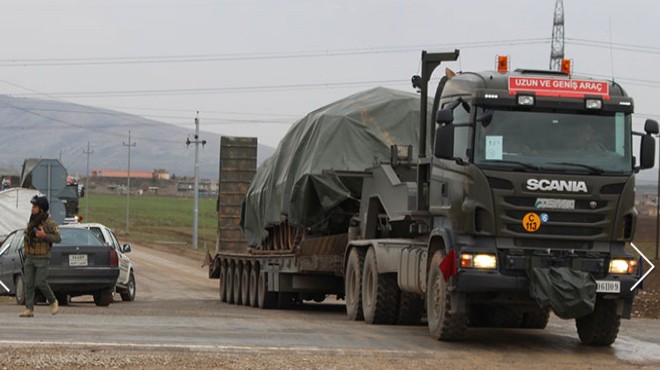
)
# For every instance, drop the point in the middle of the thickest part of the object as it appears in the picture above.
(78, 237)
(551, 141)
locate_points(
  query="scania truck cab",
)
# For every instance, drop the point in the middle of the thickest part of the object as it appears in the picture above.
(531, 198)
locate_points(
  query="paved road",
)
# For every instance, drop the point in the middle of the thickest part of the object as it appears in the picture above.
(177, 313)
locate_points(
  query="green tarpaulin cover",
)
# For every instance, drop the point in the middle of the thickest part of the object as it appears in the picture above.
(569, 292)
(348, 135)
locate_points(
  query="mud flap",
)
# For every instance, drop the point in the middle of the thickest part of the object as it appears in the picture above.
(570, 293)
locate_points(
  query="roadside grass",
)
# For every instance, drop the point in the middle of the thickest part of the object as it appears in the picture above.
(154, 219)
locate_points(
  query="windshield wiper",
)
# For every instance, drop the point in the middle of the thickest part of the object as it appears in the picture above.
(593, 169)
(520, 164)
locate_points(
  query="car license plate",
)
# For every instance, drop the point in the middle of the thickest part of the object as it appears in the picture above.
(77, 260)
(608, 286)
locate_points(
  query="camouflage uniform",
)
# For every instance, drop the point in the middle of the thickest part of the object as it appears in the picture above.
(37, 259)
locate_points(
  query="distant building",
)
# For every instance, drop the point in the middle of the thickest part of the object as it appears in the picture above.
(158, 174)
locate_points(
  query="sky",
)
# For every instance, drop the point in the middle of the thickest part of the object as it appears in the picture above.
(252, 67)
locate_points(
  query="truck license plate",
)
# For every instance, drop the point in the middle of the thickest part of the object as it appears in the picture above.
(77, 260)
(608, 286)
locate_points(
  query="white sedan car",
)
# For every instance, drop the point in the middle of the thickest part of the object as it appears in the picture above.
(126, 280)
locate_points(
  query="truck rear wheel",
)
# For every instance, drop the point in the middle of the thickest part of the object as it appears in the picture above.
(265, 299)
(229, 278)
(601, 327)
(380, 293)
(353, 284)
(411, 308)
(245, 286)
(443, 323)
(223, 283)
(237, 284)
(254, 283)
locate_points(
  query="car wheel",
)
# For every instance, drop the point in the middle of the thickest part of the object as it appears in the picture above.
(20, 290)
(103, 298)
(63, 299)
(129, 294)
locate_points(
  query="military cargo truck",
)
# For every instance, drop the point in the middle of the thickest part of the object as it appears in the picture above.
(513, 195)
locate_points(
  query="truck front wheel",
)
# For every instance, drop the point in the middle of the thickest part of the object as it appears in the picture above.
(443, 323)
(353, 284)
(600, 327)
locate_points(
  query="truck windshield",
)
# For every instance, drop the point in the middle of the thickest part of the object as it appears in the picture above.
(551, 141)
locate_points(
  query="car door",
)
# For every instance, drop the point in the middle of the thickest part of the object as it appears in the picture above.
(124, 261)
(7, 259)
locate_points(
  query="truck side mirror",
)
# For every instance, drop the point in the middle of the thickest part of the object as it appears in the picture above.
(444, 141)
(651, 127)
(444, 117)
(126, 248)
(647, 151)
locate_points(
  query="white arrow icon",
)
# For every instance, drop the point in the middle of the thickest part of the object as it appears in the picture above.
(647, 272)
(4, 286)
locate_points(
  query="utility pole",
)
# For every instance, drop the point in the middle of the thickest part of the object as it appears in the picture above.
(196, 141)
(128, 179)
(87, 152)
(557, 44)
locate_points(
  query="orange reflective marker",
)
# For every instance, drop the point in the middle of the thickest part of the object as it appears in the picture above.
(502, 63)
(566, 65)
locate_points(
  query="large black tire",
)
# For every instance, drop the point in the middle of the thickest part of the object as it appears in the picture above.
(536, 319)
(237, 284)
(229, 277)
(129, 294)
(222, 288)
(266, 299)
(245, 286)
(601, 327)
(411, 309)
(103, 298)
(20, 290)
(380, 293)
(254, 286)
(443, 323)
(353, 284)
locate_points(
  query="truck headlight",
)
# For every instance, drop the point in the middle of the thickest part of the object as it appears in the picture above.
(526, 100)
(622, 266)
(478, 260)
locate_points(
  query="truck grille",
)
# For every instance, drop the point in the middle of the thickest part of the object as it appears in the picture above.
(587, 220)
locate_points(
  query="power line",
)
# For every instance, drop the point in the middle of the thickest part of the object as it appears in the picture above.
(218, 90)
(193, 58)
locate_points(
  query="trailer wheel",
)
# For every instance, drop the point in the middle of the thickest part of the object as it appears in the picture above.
(411, 308)
(443, 323)
(380, 293)
(353, 284)
(254, 286)
(536, 319)
(601, 327)
(266, 299)
(245, 286)
(229, 277)
(223, 282)
(237, 284)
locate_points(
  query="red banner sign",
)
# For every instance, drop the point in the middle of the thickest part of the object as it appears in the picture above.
(558, 87)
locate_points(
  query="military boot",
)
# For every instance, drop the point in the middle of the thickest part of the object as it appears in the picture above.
(27, 313)
(54, 307)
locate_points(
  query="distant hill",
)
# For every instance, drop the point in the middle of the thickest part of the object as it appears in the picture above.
(48, 129)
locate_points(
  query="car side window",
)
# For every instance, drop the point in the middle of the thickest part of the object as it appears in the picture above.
(114, 240)
(17, 242)
(5, 246)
